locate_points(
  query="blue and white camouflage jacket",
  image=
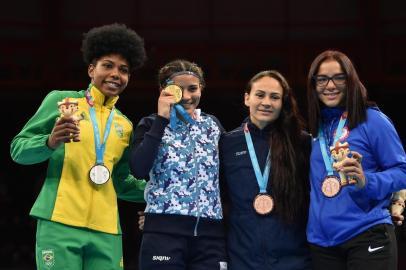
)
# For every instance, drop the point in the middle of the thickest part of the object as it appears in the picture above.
(182, 167)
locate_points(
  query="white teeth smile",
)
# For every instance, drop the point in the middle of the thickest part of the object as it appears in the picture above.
(113, 84)
(331, 93)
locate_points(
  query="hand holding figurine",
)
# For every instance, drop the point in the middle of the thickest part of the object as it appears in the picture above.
(352, 168)
(64, 131)
(66, 127)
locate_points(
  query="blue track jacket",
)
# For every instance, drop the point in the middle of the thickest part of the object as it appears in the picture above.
(333, 221)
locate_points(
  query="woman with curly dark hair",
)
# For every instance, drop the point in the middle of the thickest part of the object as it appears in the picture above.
(264, 165)
(87, 152)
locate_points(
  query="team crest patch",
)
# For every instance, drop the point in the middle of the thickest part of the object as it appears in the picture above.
(83, 116)
(48, 257)
(119, 130)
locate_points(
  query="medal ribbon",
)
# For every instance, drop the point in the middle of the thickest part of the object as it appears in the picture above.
(262, 179)
(178, 108)
(100, 147)
(328, 162)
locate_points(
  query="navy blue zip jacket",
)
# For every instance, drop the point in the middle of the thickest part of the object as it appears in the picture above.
(254, 241)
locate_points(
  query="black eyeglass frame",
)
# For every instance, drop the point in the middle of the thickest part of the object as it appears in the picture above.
(333, 78)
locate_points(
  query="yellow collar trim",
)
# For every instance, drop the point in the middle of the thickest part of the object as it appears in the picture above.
(100, 99)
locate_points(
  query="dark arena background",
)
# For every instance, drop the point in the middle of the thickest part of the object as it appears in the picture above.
(231, 40)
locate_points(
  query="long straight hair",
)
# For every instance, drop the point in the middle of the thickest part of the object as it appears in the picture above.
(289, 158)
(355, 93)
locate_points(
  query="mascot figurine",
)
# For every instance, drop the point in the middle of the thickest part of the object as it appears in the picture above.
(68, 107)
(340, 152)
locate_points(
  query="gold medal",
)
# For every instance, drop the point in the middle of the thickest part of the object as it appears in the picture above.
(331, 186)
(263, 204)
(174, 90)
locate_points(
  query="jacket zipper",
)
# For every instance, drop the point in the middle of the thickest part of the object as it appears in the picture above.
(321, 207)
(91, 190)
(197, 189)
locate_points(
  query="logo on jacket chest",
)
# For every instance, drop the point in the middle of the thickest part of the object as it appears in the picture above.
(240, 153)
(119, 130)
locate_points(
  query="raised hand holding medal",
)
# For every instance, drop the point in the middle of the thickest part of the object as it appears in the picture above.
(170, 95)
(174, 93)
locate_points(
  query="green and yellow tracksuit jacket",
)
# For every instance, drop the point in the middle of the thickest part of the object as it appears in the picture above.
(68, 196)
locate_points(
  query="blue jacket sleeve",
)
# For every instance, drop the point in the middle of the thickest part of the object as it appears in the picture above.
(147, 138)
(390, 157)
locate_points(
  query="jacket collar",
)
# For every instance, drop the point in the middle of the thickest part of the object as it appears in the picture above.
(99, 99)
(328, 114)
(253, 128)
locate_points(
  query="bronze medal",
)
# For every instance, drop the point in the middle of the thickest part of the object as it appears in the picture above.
(174, 90)
(99, 174)
(263, 204)
(331, 186)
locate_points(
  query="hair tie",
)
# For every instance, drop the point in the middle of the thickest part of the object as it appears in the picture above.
(169, 80)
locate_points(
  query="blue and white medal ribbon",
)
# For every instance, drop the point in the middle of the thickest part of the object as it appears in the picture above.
(99, 173)
(331, 185)
(176, 91)
(174, 118)
(263, 202)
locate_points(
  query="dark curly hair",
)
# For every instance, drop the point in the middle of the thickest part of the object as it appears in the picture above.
(114, 39)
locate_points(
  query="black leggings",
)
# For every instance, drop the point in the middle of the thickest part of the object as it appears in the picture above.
(374, 249)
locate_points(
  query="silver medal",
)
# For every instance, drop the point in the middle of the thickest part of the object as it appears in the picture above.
(99, 174)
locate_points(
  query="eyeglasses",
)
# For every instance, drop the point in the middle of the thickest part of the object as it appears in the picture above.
(323, 80)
